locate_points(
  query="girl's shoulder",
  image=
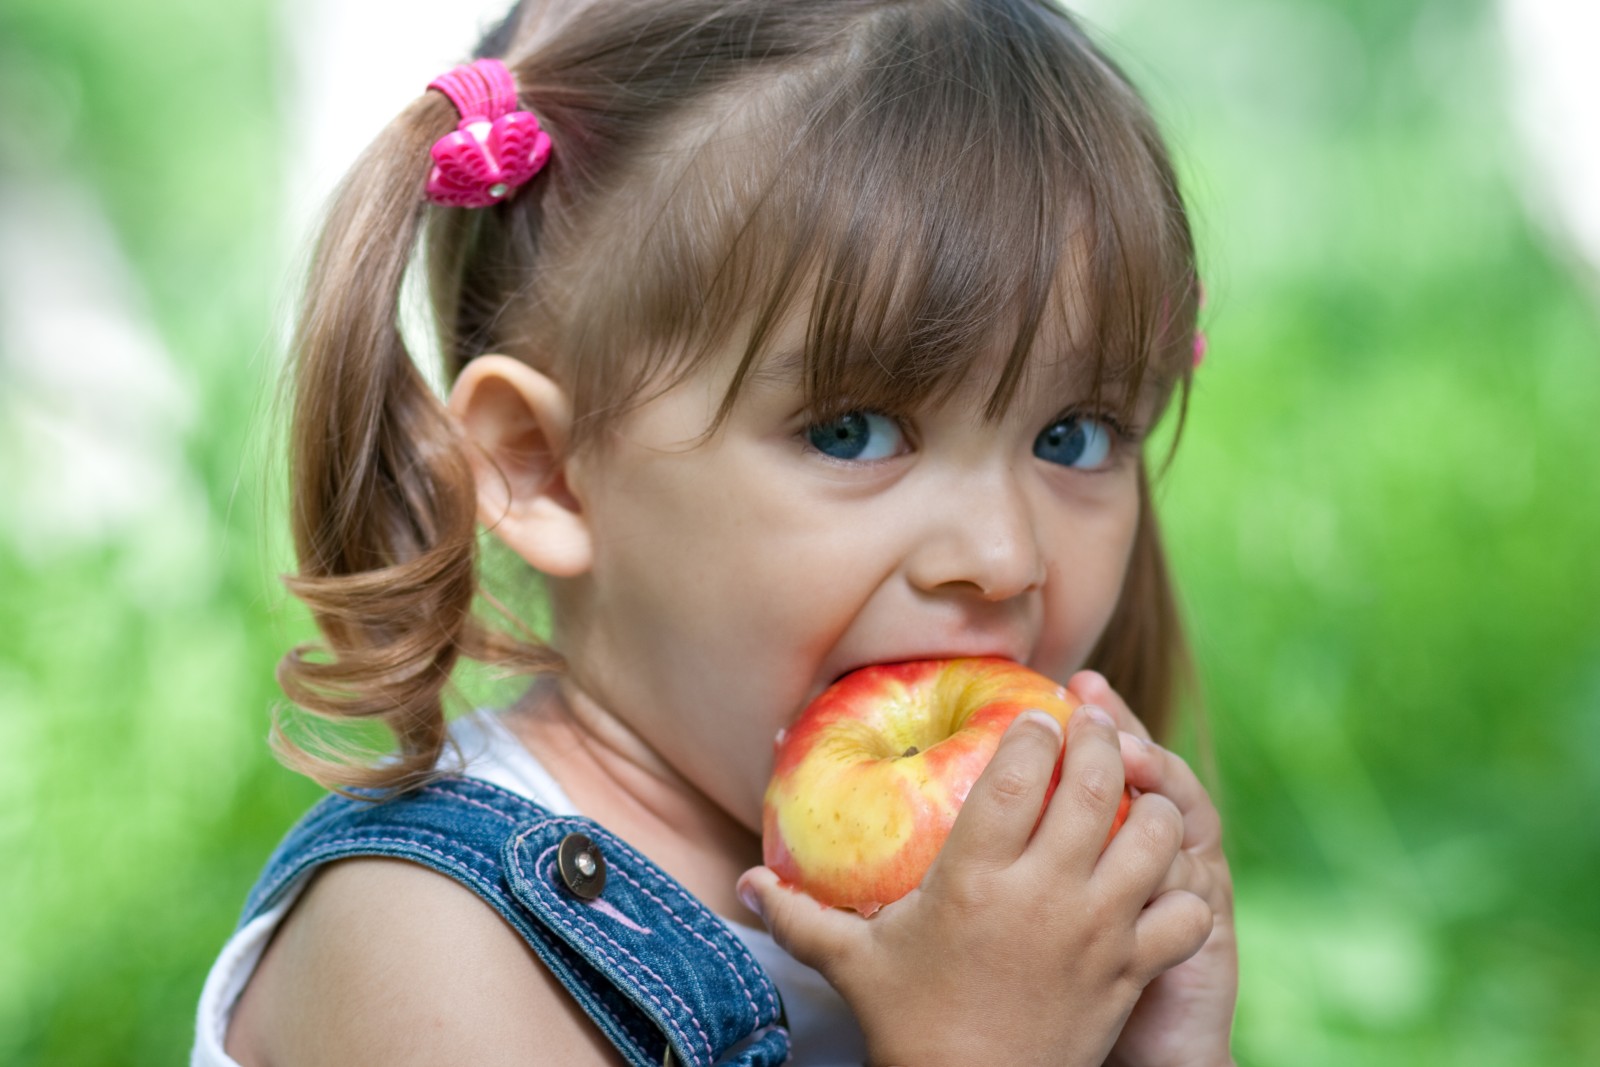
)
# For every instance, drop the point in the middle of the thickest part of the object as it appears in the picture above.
(384, 960)
(463, 922)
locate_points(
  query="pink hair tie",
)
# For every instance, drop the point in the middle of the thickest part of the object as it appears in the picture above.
(496, 147)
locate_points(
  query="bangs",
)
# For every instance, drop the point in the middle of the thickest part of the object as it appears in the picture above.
(960, 192)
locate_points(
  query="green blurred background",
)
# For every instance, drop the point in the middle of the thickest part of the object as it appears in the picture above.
(1383, 514)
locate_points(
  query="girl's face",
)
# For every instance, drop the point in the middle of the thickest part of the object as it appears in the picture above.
(736, 576)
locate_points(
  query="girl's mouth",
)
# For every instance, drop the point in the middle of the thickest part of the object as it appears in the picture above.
(917, 657)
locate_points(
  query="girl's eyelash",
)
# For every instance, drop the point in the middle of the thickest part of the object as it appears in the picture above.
(1128, 435)
(839, 409)
(810, 418)
(818, 417)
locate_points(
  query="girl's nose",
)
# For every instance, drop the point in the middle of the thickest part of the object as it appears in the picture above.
(983, 537)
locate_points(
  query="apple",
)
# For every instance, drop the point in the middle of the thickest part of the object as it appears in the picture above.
(869, 778)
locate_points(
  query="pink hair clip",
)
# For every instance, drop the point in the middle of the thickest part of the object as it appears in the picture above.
(496, 147)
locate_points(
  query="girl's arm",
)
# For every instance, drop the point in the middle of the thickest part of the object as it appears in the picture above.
(384, 961)
(1023, 946)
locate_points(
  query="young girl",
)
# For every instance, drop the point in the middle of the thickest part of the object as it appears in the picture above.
(784, 337)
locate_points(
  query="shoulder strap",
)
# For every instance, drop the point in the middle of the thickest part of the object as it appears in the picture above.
(660, 974)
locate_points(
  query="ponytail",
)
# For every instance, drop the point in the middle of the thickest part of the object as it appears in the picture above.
(382, 498)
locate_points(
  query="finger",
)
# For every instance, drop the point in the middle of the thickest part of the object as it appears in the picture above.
(1145, 855)
(1154, 769)
(1003, 806)
(1091, 687)
(808, 930)
(1205, 879)
(1170, 930)
(1078, 820)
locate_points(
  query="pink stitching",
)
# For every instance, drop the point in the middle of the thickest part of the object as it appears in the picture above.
(739, 945)
(331, 844)
(600, 904)
(568, 959)
(541, 862)
(576, 974)
(475, 803)
(698, 936)
(711, 1052)
(406, 841)
(616, 915)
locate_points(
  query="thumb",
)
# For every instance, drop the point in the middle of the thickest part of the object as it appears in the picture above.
(807, 929)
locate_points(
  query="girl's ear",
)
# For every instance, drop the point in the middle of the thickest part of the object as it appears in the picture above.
(516, 422)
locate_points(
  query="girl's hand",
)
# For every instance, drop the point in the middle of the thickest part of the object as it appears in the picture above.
(1185, 1016)
(1022, 946)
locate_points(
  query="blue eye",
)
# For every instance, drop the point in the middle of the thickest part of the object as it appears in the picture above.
(858, 435)
(1074, 442)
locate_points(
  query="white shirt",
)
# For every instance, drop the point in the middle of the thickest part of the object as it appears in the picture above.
(824, 1032)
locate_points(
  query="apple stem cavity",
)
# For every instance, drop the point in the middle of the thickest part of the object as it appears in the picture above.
(912, 751)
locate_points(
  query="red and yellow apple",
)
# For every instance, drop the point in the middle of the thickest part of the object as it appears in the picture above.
(870, 776)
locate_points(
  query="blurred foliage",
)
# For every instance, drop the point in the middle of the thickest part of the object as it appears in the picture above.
(137, 798)
(1383, 514)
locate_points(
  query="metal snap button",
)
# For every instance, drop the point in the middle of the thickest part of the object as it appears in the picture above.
(582, 867)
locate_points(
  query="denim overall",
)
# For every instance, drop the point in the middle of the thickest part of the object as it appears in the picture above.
(666, 981)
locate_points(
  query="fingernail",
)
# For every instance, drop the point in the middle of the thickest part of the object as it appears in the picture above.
(1094, 678)
(747, 897)
(1044, 719)
(1134, 741)
(1097, 714)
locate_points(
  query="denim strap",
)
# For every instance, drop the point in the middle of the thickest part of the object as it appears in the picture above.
(655, 970)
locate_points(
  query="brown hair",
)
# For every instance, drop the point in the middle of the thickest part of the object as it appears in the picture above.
(927, 180)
